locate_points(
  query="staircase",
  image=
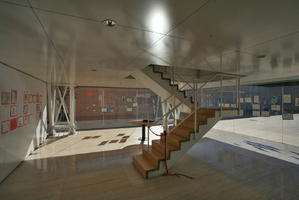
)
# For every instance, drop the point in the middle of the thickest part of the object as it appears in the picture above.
(171, 87)
(179, 140)
(161, 84)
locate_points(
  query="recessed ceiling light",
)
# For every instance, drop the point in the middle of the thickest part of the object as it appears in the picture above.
(261, 56)
(109, 22)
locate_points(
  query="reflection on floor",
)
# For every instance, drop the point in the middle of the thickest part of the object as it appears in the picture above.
(92, 141)
(269, 128)
(221, 171)
(289, 153)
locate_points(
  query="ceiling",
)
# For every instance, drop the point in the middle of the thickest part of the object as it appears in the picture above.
(65, 41)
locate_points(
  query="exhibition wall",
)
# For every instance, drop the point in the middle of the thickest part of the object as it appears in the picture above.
(22, 117)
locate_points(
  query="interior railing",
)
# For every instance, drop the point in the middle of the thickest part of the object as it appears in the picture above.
(195, 90)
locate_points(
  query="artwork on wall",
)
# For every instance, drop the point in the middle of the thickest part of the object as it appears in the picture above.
(29, 98)
(275, 107)
(287, 98)
(20, 122)
(14, 96)
(104, 109)
(34, 98)
(13, 110)
(39, 115)
(4, 112)
(256, 113)
(256, 106)
(13, 124)
(135, 104)
(26, 119)
(241, 100)
(265, 114)
(5, 98)
(256, 99)
(25, 109)
(287, 116)
(5, 127)
(297, 102)
(38, 107)
(274, 99)
(110, 109)
(248, 99)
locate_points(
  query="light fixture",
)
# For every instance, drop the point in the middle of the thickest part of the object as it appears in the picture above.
(109, 22)
(261, 56)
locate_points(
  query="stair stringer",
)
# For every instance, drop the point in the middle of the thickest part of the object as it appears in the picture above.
(175, 155)
(165, 84)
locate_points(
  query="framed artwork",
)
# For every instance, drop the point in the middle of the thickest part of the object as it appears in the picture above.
(104, 109)
(29, 98)
(5, 127)
(20, 122)
(14, 96)
(38, 107)
(26, 120)
(25, 109)
(287, 98)
(39, 115)
(256, 99)
(110, 109)
(297, 102)
(13, 110)
(34, 98)
(5, 98)
(256, 106)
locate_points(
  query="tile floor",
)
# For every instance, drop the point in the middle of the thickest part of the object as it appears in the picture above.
(224, 165)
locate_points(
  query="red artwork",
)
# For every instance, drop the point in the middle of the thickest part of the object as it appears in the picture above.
(13, 124)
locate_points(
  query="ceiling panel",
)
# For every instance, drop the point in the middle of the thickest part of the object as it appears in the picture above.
(153, 15)
(237, 24)
(23, 43)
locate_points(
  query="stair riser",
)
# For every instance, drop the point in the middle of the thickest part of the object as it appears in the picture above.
(139, 168)
(150, 157)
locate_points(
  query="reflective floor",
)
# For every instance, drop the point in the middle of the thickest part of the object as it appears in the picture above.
(220, 171)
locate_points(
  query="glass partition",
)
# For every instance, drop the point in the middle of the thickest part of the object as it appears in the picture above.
(98, 107)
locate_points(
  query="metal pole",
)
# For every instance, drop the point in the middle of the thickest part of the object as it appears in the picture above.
(195, 101)
(72, 109)
(221, 95)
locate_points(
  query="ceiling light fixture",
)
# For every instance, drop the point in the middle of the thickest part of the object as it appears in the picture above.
(261, 56)
(109, 22)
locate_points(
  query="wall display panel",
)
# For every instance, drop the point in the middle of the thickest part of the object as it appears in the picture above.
(20, 133)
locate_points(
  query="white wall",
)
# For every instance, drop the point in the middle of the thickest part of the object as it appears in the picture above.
(17, 144)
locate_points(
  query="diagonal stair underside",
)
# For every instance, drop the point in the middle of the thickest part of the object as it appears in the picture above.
(180, 139)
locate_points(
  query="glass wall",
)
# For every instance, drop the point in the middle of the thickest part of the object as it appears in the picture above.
(270, 112)
(98, 107)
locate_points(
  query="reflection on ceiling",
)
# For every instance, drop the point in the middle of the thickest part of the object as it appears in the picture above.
(65, 41)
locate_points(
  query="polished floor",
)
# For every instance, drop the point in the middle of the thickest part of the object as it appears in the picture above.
(220, 170)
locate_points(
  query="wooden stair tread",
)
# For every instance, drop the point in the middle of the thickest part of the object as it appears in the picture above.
(144, 163)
